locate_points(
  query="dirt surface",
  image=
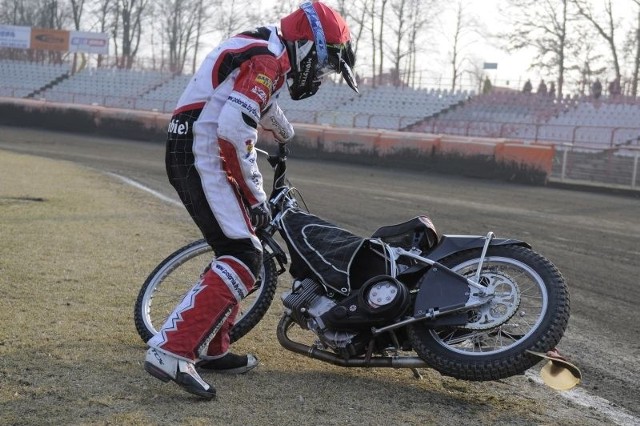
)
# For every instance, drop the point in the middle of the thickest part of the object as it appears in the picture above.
(592, 238)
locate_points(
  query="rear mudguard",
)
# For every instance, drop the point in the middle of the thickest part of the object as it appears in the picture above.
(442, 290)
(450, 244)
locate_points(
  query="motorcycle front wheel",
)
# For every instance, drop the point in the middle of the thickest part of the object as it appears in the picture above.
(529, 311)
(165, 287)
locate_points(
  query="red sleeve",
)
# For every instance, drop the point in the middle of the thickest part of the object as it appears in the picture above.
(258, 78)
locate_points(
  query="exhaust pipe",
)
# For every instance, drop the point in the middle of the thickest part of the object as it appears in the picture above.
(387, 361)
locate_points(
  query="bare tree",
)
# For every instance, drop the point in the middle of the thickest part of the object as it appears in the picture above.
(381, 15)
(202, 15)
(182, 23)
(103, 12)
(77, 7)
(232, 17)
(543, 26)
(281, 9)
(590, 67)
(127, 28)
(607, 29)
(370, 13)
(18, 12)
(634, 47)
(397, 51)
(465, 33)
(358, 17)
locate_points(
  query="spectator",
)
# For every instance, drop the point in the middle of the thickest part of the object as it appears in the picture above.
(596, 89)
(542, 88)
(552, 89)
(486, 86)
(614, 88)
(527, 87)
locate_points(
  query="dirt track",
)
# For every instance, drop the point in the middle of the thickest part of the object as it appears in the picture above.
(594, 239)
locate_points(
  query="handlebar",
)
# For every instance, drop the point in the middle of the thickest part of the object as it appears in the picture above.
(282, 190)
(279, 157)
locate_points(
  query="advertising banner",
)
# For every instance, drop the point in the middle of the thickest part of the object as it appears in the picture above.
(47, 39)
(15, 36)
(86, 42)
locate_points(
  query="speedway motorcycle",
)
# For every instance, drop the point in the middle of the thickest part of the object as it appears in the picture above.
(471, 307)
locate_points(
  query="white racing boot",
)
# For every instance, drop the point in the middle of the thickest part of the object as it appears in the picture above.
(165, 366)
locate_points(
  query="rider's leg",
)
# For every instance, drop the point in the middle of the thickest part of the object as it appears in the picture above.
(215, 205)
(204, 314)
(217, 357)
(187, 333)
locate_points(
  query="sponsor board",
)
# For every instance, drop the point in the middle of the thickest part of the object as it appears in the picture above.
(86, 42)
(47, 39)
(20, 37)
(15, 36)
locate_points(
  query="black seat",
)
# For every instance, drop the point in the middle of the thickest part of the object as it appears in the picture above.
(418, 232)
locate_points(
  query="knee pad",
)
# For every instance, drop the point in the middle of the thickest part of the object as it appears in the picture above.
(243, 250)
(252, 259)
(234, 274)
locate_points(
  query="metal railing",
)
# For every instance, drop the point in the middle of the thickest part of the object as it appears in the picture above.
(616, 167)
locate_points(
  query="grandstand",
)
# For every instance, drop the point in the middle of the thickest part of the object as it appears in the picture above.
(163, 98)
(23, 79)
(108, 87)
(496, 114)
(613, 122)
(582, 122)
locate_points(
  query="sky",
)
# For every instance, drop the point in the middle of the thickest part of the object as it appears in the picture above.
(512, 68)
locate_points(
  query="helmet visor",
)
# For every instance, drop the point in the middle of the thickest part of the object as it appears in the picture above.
(340, 60)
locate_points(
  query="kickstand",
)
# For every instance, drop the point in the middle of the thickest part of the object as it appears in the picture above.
(416, 374)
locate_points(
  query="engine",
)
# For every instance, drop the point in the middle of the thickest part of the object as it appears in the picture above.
(344, 325)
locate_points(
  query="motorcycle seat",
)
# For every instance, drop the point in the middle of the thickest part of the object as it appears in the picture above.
(418, 232)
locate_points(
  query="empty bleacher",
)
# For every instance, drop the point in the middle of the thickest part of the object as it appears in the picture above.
(21, 79)
(496, 114)
(164, 98)
(383, 107)
(600, 124)
(592, 124)
(110, 87)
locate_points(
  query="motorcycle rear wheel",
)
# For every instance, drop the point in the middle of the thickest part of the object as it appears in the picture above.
(178, 273)
(530, 312)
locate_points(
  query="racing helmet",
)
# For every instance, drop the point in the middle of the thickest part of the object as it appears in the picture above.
(318, 42)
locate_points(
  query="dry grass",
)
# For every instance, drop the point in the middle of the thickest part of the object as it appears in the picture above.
(76, 245)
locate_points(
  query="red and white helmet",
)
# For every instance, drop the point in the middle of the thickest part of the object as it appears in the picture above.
(318, 42)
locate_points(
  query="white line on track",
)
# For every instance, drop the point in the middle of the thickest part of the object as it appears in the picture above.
(146, 189)
(577, 395)
(581, 397)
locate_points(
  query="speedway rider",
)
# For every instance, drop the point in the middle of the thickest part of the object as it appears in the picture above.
(211, 162)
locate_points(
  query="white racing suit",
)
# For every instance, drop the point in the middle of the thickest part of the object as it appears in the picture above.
(211, 162)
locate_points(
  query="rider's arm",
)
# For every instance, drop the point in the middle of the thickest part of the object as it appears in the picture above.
(238, 122)
(273, 120)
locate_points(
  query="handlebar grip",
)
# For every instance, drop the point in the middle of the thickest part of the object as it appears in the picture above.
(283, 150)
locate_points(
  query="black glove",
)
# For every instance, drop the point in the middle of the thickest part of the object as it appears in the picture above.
(260, 215)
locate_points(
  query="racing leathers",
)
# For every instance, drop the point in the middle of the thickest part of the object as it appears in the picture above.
(211, 162)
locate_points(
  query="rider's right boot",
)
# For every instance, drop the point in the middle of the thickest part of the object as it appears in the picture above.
(166, 366)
